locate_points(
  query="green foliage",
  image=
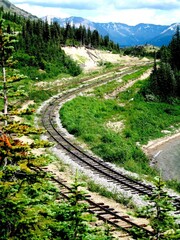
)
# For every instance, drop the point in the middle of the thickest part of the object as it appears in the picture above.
(174, 185)
(23, 205)
(160, 210)
(136, 74)
(71, 218)
(106, 88)
(140, 51)
(141, 117)
(174, 48)
(116, 196)
(39, 46)
(164, 81)
(109, 87)
(28, 201)
(87, 118)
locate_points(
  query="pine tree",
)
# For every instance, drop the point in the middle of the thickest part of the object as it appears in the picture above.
(6, 48)
(164, 81)
(88, 38)
(174, 47)
(160, 211)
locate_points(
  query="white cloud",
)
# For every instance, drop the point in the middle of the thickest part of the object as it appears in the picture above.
(94, 4)
(148, 4)
(130, 12)
(72, 4)
(41, 11)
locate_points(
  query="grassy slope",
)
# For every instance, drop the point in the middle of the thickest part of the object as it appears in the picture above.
(87, 118)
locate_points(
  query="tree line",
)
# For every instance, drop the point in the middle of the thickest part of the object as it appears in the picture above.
(39, 51)
(164, 82)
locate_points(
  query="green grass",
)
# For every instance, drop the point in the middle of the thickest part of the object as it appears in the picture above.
(106, 88)
(103, 191)
(86, 118)
(136, 74)
(112, 85)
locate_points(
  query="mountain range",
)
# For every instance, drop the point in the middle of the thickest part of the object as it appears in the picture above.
(124, 34)
(120, 33)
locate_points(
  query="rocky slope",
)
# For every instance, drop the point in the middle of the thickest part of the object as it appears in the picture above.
(8, 6)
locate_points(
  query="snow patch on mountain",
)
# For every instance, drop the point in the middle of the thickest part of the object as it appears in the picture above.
(124, 34)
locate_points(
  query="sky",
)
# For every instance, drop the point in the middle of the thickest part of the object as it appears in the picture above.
(131, 12)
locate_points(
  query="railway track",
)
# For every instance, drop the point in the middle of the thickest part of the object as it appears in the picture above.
(105, 213)
(50, 118)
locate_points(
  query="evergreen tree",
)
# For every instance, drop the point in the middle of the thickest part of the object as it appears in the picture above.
(164, 80)
(174, 47)
(6, 49)
(88, 38)
(160, 211)
(95, 39)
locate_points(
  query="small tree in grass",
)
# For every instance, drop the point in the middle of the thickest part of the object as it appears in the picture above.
(72, 219)
(160, 211)
(162, 220)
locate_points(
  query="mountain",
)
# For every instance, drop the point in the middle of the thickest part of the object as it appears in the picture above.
(8, 6)
(165, 37)
(124, 34)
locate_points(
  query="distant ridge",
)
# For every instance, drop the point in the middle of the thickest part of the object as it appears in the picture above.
(8, 6)
(120, 33)
(124, 34)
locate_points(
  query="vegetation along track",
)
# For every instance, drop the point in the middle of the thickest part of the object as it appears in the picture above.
(50, 116)
(103, 212)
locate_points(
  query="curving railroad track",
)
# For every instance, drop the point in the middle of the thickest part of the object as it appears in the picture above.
(50, 116)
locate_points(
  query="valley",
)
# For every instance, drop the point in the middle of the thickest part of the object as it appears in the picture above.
(78, 113)
(83, 170)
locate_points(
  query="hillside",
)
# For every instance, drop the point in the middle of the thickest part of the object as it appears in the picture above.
(106, 112)
(8, 6)
(91, 59)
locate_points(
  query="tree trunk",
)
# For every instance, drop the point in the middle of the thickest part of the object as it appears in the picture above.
(5, 96)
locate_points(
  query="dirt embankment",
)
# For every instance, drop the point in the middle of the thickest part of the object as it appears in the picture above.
(91, 59)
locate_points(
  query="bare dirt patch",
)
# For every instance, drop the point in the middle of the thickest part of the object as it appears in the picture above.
(115, 126)
(90, 59)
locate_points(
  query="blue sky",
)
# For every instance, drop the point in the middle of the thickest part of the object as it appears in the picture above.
(131, 12)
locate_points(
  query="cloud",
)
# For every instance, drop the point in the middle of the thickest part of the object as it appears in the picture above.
(71, 4)
(104, 4)
(148, 4)
(130, 12)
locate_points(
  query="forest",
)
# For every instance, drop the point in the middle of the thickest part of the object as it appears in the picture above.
(164, 81)
(30, 206)
(38, 49)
